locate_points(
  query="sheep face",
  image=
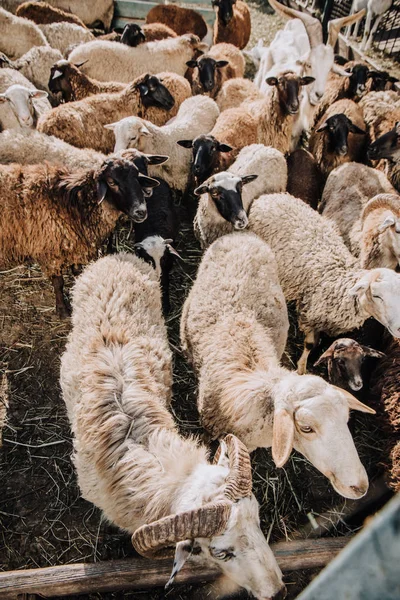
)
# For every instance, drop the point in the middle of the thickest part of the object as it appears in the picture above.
(224, 10)
(130, 132)
(311, 416)
(337, 128)
(225, 192)
(378, 293)
(20, 100)
(154, 93)
(207, 67)
(206, 151)
(344, 359)
(381, 81)
(288, 86)
(132, 35)
(387, 145)
(357, 82)
(59, 82)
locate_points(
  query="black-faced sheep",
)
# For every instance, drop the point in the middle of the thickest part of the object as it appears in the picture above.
(35, 65)
(221, 63)
(67, 80)
(233, 24)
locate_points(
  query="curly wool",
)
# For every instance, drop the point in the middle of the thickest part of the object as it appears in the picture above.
(235, 91)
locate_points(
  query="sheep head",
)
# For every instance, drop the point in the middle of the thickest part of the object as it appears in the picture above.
(154, 93)
(60, 79)
(20, 100)
(206, 150)
(288, 86)
(387, 145)
(207, 68)
(337, 129)
(380, 220)
(224, 532)
(132, 35)
(224, 10)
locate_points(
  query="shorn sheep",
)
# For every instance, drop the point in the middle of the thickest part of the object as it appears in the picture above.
(179, 19)
(211, 70)
(225, 198)
(366, 209)
(67, 81)
(35, 65)
(82, 123)
(232, 24)
(112, 61)
(333, 294)
(195, 116)
(18, 35)
(59, 218)
(234, 328)
(130, 459)
(43, 13)
(21, 104)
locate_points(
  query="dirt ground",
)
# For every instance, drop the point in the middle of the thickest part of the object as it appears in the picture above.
(43, 520)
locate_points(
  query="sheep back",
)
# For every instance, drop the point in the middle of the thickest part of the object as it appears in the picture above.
(179, 19)
(43, 13)
(18, 35)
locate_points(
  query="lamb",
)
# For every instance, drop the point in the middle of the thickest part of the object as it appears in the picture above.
(68, 81)
(305, 179)
(235, 91)
(43, 13)
(366, 209)
(336, 138)
(333, 293)
(221, 63)
(77, 209)
(345, 358)
(18, 36)
(134, 34)
(116, 383)
(179, 19)
(223, 205)
(111, 61)
(233, 329)
(92, 14)
(195, 116)
(82, 123)
(62, 36)
(35, 65)
(233, 24)
(21, 104)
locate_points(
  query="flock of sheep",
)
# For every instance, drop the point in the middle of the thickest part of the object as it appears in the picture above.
(98, 128)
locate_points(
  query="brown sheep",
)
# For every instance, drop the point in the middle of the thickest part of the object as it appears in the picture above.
(179, 19)
(42, 13)
(59, 218)
(211, 70)
(67, 80)
(305, 179)
(233, 24)
(82, 123)
(235, 91)
(339, 137)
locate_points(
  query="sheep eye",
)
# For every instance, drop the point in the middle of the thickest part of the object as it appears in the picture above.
(223, 555)
(214, 193)
(306, 429)
(111, 182)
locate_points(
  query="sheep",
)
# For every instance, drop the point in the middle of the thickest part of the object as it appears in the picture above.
(305, 179)
(112, 61)
(77, 209)
(333, 293)
(366, 209)
(195, 116)
(345, 358)
(381, 112)
(134, 34)
(379, 81)
(232, 23)
(387, 147)
(221, 63)
(18, 36)
(21, 104)
(235, 91)
(336, 137)
(64, 35)
(233, 329)
(93, 14)
(43, 13)
(179, 19)
(223, 205)
(268, 121)
(67, 81)
(35, 65)
(162, 489)
(82, 123)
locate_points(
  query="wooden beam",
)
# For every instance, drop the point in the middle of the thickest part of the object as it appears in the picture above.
(139, 574)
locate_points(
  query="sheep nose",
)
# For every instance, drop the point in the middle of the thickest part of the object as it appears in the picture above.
(281, 595)
(356, 384)
(139, 215)
(360, 490)
(318, 95)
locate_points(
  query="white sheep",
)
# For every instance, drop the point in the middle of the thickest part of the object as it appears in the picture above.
(223, 205)
(35, 65)
(112, 61)
(333, 293)
(234, 328)
(63, 35)
(21, 104)
(18, 35)
(131, 461)
(92, 13)
(195, 116)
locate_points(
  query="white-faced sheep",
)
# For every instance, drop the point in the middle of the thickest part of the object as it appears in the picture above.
(65, 35)
(339, 136)
(221, 63)
(224, 203)
(344, 359)
(18, 35)
(35, 65)
(112, 61)
(42, 13)
(82, 123)
(333, 293)
(234, 328)
(366, 210)
(179, 19)
(233, 24)
(195, 116)
(116, 382)
(77, 209)
(21, 104)
(235, 91)
(68, 81)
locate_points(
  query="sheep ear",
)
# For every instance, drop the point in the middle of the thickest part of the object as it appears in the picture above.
(80, 64)
(156, 159)
(147, 182)
(323, 127)
(355, 404)
(373, 353)
(224, 147)
(172, 249)
(388, 222)
(56, 74)
(248, 178)
(325, 356)
(354, 129)
(101, 191)
(38, 94)
(144, 131)
(202, 189)
(361, 286)
(110, 126)
(3, 98)
(182, 552)
(306, 80)
(192, 64)
(282, 436)
(185, 143)
(272, 81)
(222, 63)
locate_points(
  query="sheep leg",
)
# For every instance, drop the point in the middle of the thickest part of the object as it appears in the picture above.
(310, 341)
(62, 308)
